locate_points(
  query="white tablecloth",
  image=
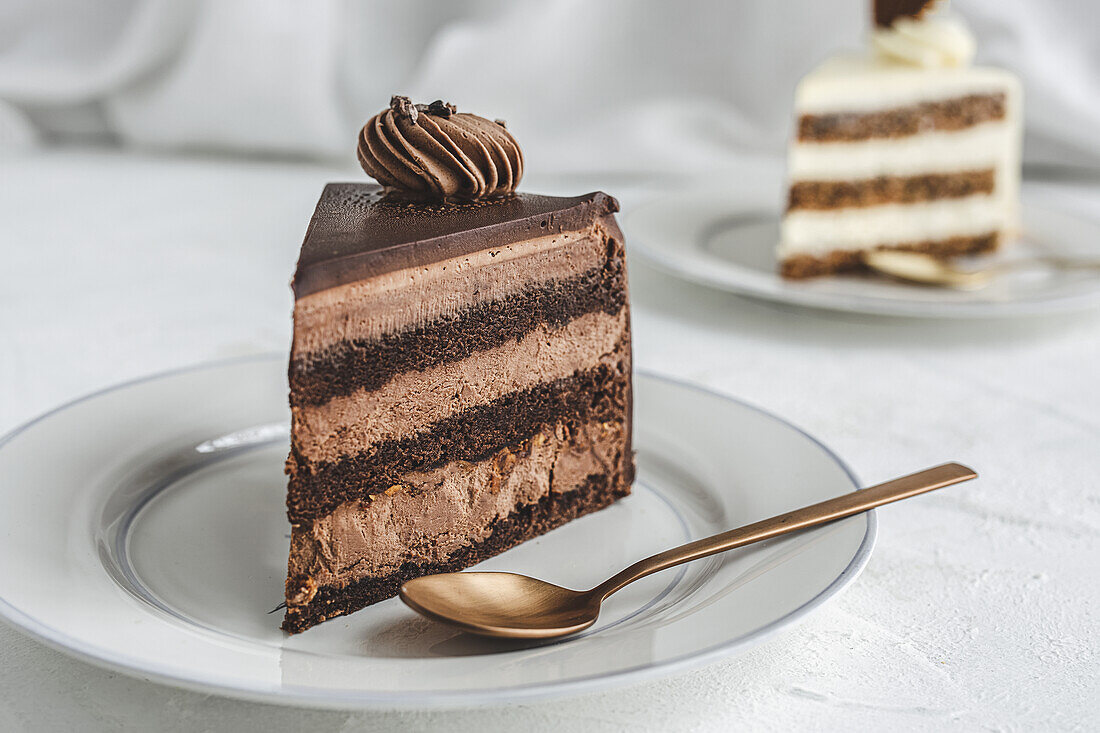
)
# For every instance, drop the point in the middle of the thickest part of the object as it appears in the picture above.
(978, 608)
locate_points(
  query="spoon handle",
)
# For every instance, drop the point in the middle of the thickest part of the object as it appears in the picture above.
(810, 516)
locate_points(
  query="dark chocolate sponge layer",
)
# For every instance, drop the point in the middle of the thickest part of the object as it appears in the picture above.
(600, 393)
(352, 365)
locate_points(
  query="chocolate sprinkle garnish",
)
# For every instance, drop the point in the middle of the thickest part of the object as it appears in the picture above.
(404, 106)
(439, 108)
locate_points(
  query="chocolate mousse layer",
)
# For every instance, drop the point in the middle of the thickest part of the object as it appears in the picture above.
(316, 488)
(368, 364)
(433, 516)
(526, 521)
(356, 422)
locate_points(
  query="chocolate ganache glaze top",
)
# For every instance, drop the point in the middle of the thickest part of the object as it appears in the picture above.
(432, 152)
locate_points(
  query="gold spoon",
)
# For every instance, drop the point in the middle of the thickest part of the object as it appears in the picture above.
(923, 268)
(519, 607)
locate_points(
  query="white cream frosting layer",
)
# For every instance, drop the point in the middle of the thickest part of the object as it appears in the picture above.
(989, 145)
(983, 146)
(821, 232)
(861, 82)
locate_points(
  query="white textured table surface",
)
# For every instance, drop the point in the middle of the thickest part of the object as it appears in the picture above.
(979, 609)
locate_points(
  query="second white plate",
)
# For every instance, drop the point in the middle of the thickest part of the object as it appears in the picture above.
(708, 237)
(144, 530)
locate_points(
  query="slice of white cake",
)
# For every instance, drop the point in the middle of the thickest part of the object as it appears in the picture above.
(905, 146)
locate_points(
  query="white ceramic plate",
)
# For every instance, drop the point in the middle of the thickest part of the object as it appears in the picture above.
(709, 238)
(144, 530)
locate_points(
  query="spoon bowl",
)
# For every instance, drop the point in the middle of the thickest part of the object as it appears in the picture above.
(502, 604)
(926, 269)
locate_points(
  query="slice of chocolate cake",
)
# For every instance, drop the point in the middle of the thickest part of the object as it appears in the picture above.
(460, 373)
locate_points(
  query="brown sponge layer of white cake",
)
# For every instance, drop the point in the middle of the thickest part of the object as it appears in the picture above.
(945, 115)
(824, 195)
(802, 266)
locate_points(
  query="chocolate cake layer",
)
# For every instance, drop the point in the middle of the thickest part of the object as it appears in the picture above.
(526, 522)
(822, 195)
(355, 364)
(805, 266)
(412, 400)
(944, 115)
(432, 514)
(599, 393)
(404, 299)
(358, 232)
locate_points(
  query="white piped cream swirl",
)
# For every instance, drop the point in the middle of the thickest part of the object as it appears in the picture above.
(939, 39)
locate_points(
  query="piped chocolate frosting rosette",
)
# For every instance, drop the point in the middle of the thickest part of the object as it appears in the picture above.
(432, 152)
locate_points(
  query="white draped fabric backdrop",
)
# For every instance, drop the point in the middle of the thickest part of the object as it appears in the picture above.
(682, 88)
